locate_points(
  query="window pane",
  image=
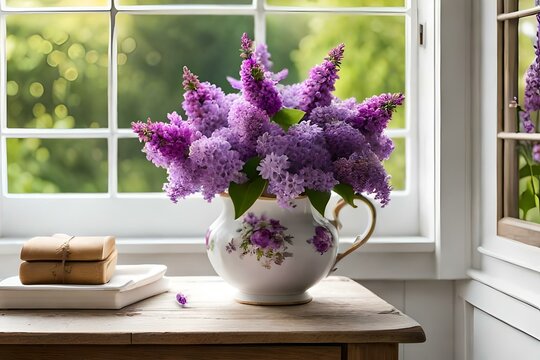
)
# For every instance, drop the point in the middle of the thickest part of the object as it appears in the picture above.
(57, 166)
(152, 50)
(172, 2)
(56, 3)
(526, 4)
(135, 173)
(57, 70)
(329, 3)
(374, 60)
(529, 185)
(395, 166)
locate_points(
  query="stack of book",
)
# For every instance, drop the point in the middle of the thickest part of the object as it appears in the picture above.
(128, 284)
(66, 259)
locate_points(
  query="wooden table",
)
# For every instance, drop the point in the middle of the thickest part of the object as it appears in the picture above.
(344, 321)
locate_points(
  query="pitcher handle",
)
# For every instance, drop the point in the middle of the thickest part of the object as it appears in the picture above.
(360, 240)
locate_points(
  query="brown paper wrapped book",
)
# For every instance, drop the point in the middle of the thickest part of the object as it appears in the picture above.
(64, 259)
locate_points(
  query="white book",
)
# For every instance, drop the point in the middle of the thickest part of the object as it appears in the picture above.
(129, 284)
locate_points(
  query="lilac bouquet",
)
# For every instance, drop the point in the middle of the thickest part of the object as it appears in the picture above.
(273, 139)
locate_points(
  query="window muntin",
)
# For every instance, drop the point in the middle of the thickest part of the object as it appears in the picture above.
(258, 19)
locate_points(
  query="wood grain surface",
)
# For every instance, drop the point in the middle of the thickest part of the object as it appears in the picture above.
(168, 352)
(378, 351)
(342, 311)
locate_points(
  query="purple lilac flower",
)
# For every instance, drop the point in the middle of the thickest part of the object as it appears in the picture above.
(526, 122)
(365, 173)
(181, 299)
(247, 123)
(322, 241)
(273, 167)
(165, 143)
(532, 77)
(290, 95)
(263, 57)
(373, 114)
(343, 140)
(217, 165)
(349, 104)
(307, 147)
(318, 87)
(334, 113)
(246, 46)
(317, 179)
(204, 103)
(536, 152)
(294, 161)
(290, 187)
(280, 75)
(182, 180)
(235, 83)
(258, 89)
(381, 145)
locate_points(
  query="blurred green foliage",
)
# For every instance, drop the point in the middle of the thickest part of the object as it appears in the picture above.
(58, 74)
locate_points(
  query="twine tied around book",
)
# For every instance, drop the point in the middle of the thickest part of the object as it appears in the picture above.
(64, 249)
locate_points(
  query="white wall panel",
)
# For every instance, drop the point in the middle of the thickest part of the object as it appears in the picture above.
(495, 340)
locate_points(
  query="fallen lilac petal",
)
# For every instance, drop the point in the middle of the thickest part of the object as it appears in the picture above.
(181, 299)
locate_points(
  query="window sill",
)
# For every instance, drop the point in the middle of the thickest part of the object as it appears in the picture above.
(409, 244)
(390, 258)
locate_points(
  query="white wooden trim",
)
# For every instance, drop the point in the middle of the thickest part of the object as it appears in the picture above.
(511, 288)
(260, 21)
(519, 14)
(506, 308)
(452, 135)
(112, 103)
(508, 259)
(519, 136)
(339, 10)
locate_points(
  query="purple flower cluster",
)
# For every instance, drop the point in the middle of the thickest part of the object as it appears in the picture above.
(318, 87)
(263, 238)
(365, 173)
(259, 89)
(165, 144)
(205, 104)
(265, 233)
(294, 161)
(532, 78)
(336, 141)
(322, 241)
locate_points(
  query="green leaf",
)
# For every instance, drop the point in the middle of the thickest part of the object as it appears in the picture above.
(527, 201)
(346, 192)
(288, 117)
(244, 195)
(526, 171)
(250, 167)
(319, 199)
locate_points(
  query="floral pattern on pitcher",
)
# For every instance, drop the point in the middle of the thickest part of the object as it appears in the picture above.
(322, 241)
(261, 237)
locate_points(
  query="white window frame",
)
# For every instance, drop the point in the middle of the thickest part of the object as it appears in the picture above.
(421, 220)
